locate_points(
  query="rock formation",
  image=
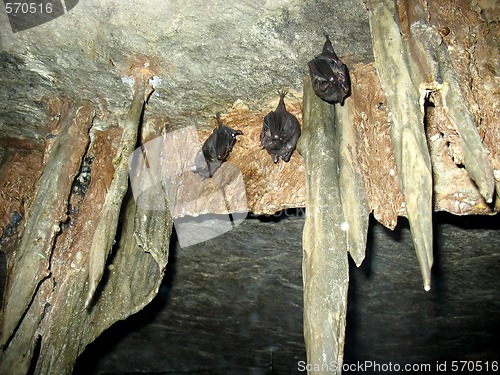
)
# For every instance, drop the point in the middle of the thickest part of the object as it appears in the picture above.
(86, 93)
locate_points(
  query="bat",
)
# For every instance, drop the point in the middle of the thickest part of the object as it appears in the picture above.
(329, 76)
(215, 149)
(280, 132)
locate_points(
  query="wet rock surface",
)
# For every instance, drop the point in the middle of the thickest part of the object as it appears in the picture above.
(226, 303)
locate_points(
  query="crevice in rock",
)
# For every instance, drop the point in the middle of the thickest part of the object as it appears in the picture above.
(104, 237)
(10, 229)
(82, 179)
(25, 312)
(35, 356)
(79, 189)
(108, 266)
(428, 107)
(3, 276)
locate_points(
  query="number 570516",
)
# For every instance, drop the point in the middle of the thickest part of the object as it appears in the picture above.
(28, 8)
(472, 366)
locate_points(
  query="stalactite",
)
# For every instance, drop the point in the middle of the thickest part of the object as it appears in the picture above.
(397, 75)
(108, 222)
(30, 265)
(336, 222)
(354, 200)
(437, 75)
(78, 261)
(325, 269)
(47, 323)
(151, 222)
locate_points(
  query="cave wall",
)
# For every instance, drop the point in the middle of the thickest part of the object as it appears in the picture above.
(226, 304)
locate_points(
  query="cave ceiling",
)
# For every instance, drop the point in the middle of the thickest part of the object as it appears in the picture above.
(205, 56)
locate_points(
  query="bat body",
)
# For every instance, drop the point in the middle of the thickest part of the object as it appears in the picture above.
(215, 150)
(329, 76)
(280, 132)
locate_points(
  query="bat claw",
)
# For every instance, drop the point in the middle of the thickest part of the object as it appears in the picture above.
(282, 93)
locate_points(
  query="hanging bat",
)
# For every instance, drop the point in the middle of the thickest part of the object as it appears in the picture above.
(280, 132)
(215, 149)
(329, 76)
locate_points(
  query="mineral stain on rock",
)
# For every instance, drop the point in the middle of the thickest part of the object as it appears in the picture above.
(13, 223)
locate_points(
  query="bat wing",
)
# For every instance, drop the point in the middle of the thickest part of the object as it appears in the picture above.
(224, 142)
(280, 120)
(345, 81)
(321, 68)
(208, 148)
(216, 149)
